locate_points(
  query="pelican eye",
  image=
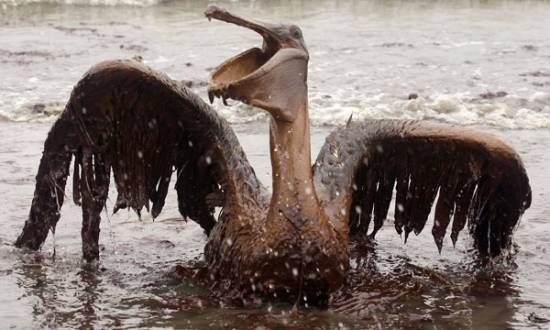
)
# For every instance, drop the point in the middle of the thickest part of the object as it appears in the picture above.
(295, 31)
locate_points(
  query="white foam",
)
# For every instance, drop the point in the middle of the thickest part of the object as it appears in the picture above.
(449, 108)
(511, 112)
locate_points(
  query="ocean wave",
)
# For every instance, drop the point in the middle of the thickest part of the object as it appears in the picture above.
(489, 109)
(509, 112)
(34, 112)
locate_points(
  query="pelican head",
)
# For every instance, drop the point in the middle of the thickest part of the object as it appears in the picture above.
(273, 77)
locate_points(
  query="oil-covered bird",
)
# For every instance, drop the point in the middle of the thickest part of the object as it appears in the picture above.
(122, 117)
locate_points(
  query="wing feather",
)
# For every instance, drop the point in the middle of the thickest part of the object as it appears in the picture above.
(472, 178)
(144, 125)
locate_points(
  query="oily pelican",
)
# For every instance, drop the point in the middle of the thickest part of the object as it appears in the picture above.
(125, 118)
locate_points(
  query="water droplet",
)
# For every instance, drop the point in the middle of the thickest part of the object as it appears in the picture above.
(400, 207)
(295, 272)
(140, 154)
(229, 242)
(208, 160)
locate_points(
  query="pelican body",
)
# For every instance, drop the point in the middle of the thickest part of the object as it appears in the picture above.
(293, 244)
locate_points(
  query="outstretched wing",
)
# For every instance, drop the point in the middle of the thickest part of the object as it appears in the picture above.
(123, 116)
(476, 178)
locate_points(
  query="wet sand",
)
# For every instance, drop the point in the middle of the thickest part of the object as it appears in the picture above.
(135, 285)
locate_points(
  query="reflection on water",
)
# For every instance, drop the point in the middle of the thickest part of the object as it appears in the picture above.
(61, 294)
(383, 292)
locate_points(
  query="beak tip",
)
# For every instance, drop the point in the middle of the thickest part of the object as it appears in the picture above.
(211, 97)
(212, 10)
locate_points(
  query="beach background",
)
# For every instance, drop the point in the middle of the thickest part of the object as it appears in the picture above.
(484, 64)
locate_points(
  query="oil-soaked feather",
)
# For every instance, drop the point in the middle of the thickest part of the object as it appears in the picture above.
(87, 181)
(402, 189)
(462, 208)
(368, 202)
(461, 165)
(383, 197)
(414, 195)
(76, 178)
(426, 192)
(414, 192)
(444, 208)
(124, 116)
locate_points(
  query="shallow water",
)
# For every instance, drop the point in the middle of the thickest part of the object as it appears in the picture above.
(469, 62)
(138, 284)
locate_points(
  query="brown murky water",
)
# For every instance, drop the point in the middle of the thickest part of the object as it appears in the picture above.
(470, 62)
(136, 283)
